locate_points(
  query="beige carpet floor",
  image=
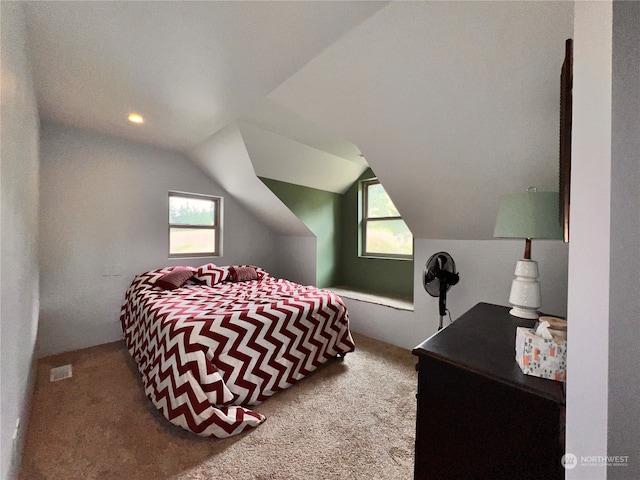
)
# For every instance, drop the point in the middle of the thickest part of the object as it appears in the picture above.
(351, 419)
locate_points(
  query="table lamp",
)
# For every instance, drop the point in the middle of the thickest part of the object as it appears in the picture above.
(527, 215)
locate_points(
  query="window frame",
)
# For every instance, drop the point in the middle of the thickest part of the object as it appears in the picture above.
(365, 219)
(216, 227)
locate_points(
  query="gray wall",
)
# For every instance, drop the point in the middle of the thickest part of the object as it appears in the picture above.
(104, 203)
(624, 309)
(486, 270)
(19, 235)
(296, 258)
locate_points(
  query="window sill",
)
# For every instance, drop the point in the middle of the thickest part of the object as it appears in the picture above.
(399, 303)
(382, 257)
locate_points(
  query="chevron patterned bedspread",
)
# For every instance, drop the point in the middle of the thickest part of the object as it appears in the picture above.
(206, 353)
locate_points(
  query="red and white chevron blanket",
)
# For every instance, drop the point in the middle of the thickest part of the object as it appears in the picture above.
(205, 353)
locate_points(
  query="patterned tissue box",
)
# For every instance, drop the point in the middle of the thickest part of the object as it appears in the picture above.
(541, 357)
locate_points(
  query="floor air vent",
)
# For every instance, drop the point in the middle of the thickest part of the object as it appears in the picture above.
(60, 373)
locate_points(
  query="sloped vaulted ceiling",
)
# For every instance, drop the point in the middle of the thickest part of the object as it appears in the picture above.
(199, 73)
(451, 103)
(279, 157)
(225, 157)
(190, 68)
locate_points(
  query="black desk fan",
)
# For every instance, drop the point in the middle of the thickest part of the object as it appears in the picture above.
(439, 276)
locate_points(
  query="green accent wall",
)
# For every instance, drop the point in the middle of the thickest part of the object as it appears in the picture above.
(379, 275)
(319, 210)
(334, 220)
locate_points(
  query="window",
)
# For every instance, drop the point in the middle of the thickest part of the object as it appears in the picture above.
(383, 232)
(194, 225)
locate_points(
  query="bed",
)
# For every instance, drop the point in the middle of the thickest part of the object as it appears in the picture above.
(209, 342)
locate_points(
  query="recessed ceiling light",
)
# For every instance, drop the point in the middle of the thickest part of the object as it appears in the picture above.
(135, 118)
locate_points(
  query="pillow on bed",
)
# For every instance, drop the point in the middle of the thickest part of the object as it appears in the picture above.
(176, 278)
(242, 273)
(212, 275)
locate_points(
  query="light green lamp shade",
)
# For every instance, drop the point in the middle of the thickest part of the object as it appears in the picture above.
(528, 215)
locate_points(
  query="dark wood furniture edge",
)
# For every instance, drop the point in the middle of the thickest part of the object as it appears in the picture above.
(559, 397)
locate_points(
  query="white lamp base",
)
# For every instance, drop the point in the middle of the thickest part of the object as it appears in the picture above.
(525, 290)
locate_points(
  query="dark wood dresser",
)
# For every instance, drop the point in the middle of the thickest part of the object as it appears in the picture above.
(479, 416)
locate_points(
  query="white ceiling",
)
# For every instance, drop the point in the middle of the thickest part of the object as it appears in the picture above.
(189, 68)
(452, 103)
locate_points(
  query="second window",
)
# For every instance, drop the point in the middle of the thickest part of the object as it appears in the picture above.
(383, 231)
